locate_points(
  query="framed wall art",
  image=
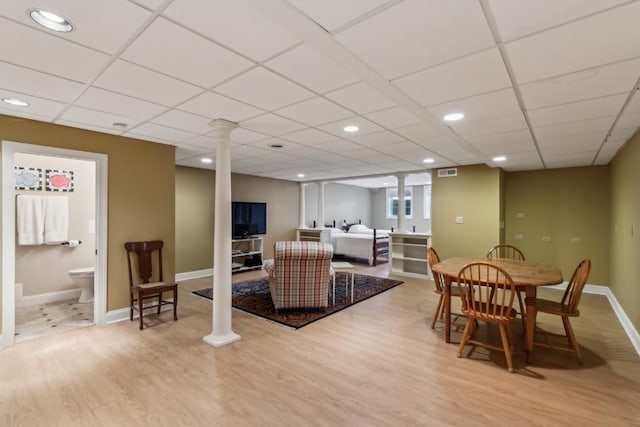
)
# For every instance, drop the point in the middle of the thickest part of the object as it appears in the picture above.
(59, 180)
(28, 178)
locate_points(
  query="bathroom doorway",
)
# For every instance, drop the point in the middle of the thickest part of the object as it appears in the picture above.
(53, 304)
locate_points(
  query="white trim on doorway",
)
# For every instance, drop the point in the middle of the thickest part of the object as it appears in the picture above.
(9, 149)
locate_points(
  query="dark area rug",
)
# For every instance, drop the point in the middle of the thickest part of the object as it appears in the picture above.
(253, 297)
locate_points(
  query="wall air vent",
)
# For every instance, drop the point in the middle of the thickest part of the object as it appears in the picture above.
(442, 173)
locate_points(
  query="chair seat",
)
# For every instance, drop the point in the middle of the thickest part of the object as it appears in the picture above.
(555, 307)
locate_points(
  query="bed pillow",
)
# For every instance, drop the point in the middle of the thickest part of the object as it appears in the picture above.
(358, 228)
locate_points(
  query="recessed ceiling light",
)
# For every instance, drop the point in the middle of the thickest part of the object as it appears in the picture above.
(300, 175)
(499, 158)
(385, 183)
(51, 20)
(351, 128)
(276, 145)
(428, 160)
(453, 117)
(15, 101)
(206, 160)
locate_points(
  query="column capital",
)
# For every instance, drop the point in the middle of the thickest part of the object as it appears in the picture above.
(223, 127)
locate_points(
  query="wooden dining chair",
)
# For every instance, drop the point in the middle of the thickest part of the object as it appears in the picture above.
(510, 252)
(565, 308)
(439, 281)
(487, 293)
(143, 283)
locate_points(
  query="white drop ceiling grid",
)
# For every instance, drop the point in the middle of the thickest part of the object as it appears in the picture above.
(548, 84)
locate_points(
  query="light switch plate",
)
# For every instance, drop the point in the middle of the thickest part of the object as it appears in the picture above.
(459, 220)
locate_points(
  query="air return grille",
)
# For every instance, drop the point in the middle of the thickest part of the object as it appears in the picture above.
(442, 173)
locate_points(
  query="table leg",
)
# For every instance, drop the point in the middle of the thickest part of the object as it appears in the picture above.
(447, 310)
(530, 300)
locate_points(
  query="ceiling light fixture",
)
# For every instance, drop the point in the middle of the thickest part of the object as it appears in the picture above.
(15, 101)
(300, 175)
(351, 128)
(428, 160)
(499, 158)
(51, 20)
(453, 117)
(206, 160)
(276, 145)
(120, 125)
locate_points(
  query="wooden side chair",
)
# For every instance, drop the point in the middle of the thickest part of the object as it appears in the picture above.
(439, 281)
(565, 308)
(141, 259)
(487, 293)
(510, 252)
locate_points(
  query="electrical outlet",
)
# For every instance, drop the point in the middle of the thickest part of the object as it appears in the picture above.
(519, 237)
(546, 238)
(576, 240)
(459, 220)
(520, 215)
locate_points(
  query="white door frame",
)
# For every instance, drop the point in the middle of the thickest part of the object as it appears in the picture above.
(7, 339)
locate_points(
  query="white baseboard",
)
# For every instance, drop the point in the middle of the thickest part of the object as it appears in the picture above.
(194, 274)
(122, 314)
(23, 301)
(624, 320)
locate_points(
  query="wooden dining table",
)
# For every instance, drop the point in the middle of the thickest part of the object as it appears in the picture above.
(526, 276)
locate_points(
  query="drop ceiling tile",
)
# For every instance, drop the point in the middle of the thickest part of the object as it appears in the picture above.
(115, 103)
(244, 136)
(395, 41)
(92, 20)
(23, 114)
(272, 125)
(340, 146)
(581, 110)
(163, 133)
(331, 14)
(38, 106)
(377, 139)
(264, 89)
(570, 144)
(88, 127)
(589, 42)
(360, 98)
(592, 83)
(498, 103)
(216, 106)
(234, 24)
(508, 142)
(210, 143)
(133, 80)
(521, 17)
(623, 133)
(569, 160)
(29, 82)
(39, 50)
(185, 121)
(97, 118)
(173, 50)
(628, 121)
(609, 150)
(490, 125)
(311, 69)
(444, 147)
(189, 152)
(584, 127)
(419, 131)
(457, 79)
(634, 104)
(315, 111)
(522, 161)
(394, 118)
(149, 4)
(309, 136)
(337, 128)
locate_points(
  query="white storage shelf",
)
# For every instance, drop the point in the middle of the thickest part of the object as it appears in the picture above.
(408, 254)
(246, 254)
(313, 235)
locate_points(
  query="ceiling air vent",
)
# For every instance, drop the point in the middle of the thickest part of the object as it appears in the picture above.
(447, 172)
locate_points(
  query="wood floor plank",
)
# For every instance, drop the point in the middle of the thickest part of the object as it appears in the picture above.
(377, 363)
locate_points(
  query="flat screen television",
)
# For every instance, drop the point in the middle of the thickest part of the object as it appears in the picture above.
(248, 219)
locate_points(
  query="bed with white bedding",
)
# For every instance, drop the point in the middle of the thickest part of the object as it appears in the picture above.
(361, 242)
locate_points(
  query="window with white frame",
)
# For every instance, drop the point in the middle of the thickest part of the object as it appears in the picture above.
(392, 203)
(427, 201)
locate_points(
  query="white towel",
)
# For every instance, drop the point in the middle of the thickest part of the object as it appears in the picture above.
(30, 220)
(56, 219)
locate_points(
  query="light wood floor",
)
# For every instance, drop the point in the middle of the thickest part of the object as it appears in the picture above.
(377, 363)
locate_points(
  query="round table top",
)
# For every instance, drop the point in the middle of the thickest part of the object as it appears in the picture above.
(522, 272)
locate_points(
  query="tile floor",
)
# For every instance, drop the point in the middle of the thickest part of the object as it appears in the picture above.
(40, 320)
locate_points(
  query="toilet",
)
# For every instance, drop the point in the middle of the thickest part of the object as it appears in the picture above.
(83, 279)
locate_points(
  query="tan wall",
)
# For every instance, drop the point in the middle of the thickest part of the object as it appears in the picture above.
(141, 191)
(195, 218)
(475, 195)
(625, 229)
(561, 204)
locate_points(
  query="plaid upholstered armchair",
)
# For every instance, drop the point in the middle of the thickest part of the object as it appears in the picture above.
(299, 274)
